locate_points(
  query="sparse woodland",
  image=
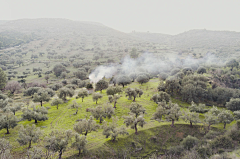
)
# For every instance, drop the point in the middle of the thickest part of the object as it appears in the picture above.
(88, 91)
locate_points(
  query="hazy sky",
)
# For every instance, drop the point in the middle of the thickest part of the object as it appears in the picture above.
(162, 16)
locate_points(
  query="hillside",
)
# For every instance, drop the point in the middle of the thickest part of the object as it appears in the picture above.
(88, 91)
(60, 27)
(153, 37)
(206, 39)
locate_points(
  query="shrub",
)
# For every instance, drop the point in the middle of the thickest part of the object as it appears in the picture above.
(222, 142)
(189, 142)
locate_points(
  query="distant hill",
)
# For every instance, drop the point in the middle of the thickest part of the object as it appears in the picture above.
(193, 38)
(152, 37)
(48, 27)
(64, 27)
(206, 38)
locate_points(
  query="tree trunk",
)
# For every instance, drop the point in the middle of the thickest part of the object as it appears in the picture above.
(41, 103)
(8, 131)
(60, 154)
(100, 120)
(209, 127)
(135, 126)
(96, 101)
(224, 125)
(30, 143)
(115, 104)
(86, 133)
(101, 90)
(172, 123)
(82, 99)
(191, 124)
(123, 85)
(35, 120)
(134, 99)
(79, 152)
(57, 106)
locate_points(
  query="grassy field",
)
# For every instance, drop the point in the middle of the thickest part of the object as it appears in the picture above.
(64, 118)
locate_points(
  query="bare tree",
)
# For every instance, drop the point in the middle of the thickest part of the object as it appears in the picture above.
(13, 86)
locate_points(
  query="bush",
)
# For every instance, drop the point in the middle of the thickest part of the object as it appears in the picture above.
(234, 133)
(233, 104)
(212, 134)
(89, 86)
(163, 76)
(56, 86)
(222, 142)
(160, 97)
(204, 151)
(176, 150)
(201, 70)
(189, 142)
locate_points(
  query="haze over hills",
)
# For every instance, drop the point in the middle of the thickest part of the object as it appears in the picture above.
(61, 75)
(51, 26)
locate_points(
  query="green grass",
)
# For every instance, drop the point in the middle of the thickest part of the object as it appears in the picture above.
(63, 118)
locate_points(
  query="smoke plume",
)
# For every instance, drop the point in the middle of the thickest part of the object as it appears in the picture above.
(150, 63)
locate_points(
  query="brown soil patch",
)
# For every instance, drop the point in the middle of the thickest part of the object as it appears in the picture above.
(179, 134)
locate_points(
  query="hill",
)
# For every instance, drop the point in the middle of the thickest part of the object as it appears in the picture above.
(52, 27)
(193, 39)
(152, 37)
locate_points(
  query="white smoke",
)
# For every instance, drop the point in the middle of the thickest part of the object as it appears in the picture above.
(150, 63)
(102, 71)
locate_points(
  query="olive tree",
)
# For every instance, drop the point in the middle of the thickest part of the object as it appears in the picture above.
(170, 112)
(58, 69)
(96, 97)
(136, 116)
(30, 91)
(210, 119)
(86, 126)
(142, 78)
(225, 117)
(191, 117)
(100, 85)
(41, 96)
(14, 107)
(79, 143)
(134, 121)
(113, 99)
(56, 101)
(75, 105)
(82, 94)
(102, 112)
(123, 80)
(8, 120)
(113, 90)
(133, 93)
(5, 149)
(57, 141)
(37, 114)
(64, 92)
(110, 129)
(3, 79)
(28, 135)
